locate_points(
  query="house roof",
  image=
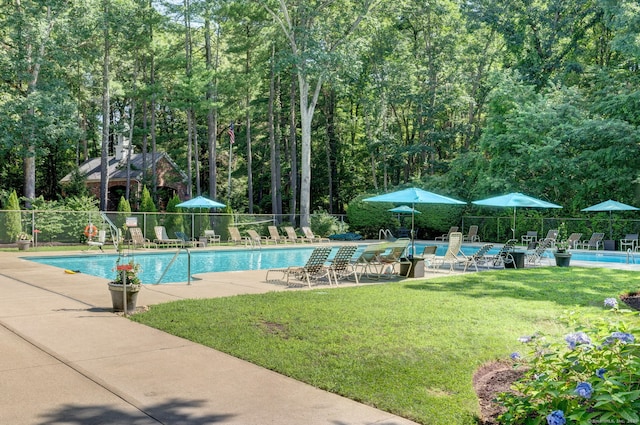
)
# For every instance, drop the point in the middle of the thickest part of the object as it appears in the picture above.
(117, 169)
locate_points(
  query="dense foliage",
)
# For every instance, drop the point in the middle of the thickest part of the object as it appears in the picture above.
(591, 377)
(479, 97)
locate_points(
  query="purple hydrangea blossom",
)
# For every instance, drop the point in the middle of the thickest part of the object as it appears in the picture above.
(584, 389)
(611, 302)
(556, 418)
(600, 372)
(623, 337)
(577, 338)
(515, 356)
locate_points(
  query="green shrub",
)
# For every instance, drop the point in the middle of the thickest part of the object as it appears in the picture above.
(13, 221)
(174, 222)
(367, 218)
(590, 378)
(324, 224)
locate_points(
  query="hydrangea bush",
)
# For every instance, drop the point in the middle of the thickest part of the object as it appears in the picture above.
(593, 376)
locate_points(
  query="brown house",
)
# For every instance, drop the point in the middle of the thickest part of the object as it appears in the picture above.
(170, 179)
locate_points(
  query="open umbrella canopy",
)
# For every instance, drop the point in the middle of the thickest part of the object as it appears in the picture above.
(515, 200)
(413, 196)
(610, 206)
(200, 202)
(404, 209)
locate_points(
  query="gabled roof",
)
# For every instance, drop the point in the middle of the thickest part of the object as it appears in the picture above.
(117, 170)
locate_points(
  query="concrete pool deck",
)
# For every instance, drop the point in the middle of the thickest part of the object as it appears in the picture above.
(66, 358)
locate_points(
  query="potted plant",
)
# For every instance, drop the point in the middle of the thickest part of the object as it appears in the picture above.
(631, 298)
(23, 240)
(125, 286)
(562, 254)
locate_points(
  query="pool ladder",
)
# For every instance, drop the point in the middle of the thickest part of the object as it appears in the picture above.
(385, 234)
(631, 256)
(173, 260)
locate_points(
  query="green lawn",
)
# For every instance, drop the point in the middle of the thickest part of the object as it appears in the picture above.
(408, 348)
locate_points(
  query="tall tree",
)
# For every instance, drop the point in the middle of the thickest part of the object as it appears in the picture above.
(314, 30)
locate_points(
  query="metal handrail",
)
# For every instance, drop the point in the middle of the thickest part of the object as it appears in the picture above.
(631, 254)
(173, 260)
(385, 234)
(115, 232)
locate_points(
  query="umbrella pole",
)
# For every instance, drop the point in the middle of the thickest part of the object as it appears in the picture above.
(413, 243)
(513, 228)
(610, 228)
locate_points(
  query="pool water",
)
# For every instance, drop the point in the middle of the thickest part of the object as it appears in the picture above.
(153, 265)
(596, 256)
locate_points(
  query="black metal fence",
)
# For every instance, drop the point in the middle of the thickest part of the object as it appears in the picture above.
(68, 227)
(500, 229)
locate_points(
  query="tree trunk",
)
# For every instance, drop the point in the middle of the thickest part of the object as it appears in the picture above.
(276, 202)
(106, 115)
(293, 178)
(212, 115)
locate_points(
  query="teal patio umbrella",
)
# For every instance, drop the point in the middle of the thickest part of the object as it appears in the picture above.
(515, 200)
(413, 196)
(199, 202)
(610, 206)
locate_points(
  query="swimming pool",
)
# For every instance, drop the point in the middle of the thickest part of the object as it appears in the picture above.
(153, 265)
(579, 255)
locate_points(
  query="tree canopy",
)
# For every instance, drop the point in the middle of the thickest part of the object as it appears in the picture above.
(328, 100)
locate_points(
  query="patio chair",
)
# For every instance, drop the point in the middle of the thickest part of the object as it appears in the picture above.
(452, 256)
(478, 258)
(274, 235)
(573, 239)
(630, 241)
(235, 237)
(505, 256)
(535, 257)
(314, 269)
(595, 242)
(254, 238)
(368, 262)
(446, 237)
(163, 239)
(187, 242)
(394, 255)
(552, 235)
(211, 236)
(308, 234)
(138, 239)
(429, 256)
(341, 266)
(472, 236)
(292, 236)
(530, 237)
(102, 238)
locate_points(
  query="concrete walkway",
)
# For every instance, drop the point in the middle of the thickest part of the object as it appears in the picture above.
(65, 358)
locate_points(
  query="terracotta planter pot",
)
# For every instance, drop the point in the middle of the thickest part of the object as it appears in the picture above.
(116, 297)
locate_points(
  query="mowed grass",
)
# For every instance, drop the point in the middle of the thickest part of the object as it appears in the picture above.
(408, 348)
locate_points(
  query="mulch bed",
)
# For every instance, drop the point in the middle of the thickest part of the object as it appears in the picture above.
(490, 380)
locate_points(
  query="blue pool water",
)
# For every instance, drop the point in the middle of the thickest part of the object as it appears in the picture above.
(597, 256)
(153, 265)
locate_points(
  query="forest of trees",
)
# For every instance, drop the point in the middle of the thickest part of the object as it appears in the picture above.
(328, 99)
